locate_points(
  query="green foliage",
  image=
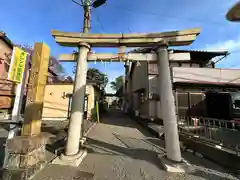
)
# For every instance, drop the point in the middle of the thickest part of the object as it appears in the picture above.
(97, 76)
(117, 84)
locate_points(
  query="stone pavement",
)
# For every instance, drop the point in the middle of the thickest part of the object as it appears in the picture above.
(120, 149)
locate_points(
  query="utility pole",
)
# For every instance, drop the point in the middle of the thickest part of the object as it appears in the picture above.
(73, 154)
(77, 107)
(86, 20)
(86, 28)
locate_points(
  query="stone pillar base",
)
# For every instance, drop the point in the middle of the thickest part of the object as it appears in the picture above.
(176, 167)
(74, 161)
(23, 174)
(83, 140)
(25, 157)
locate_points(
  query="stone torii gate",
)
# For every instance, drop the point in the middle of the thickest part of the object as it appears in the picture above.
(73, 153)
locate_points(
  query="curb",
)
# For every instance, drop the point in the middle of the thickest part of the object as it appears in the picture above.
(88, 131)
(64, 138)
(156, 134)
(144, 125)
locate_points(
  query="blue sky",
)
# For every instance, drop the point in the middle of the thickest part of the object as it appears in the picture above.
(29, 21)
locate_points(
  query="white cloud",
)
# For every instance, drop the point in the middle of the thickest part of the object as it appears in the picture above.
(229, 45)
(232, 46)
(109, 90)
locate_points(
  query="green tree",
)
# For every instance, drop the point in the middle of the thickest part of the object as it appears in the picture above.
(117, 83)
(97, 76)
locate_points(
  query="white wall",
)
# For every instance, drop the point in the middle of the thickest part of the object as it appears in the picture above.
(140, 80)
(206, 75)
(139, 76)
(153, 84)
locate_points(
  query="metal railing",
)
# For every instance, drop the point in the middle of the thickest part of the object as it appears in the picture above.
(222, 133)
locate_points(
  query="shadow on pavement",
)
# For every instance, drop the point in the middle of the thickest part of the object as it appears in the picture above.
(61, 172)
(116, 117)
(58, 133)
(140, 154)
(202, 167)
(5, 126)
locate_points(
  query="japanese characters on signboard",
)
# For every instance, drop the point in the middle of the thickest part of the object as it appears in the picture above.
(17, 65)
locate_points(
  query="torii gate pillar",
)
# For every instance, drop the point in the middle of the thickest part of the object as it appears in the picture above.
(77, 108)
(74, 154)
(167, 105)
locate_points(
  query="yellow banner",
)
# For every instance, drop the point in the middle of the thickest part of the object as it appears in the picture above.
(17, 65)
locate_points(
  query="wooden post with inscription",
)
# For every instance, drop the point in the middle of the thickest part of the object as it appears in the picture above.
(26, 153)
(36, 90)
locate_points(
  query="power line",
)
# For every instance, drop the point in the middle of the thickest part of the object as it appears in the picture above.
(99, 22)
(171, 16)
(129, 29)
(102, 31)
(234, 52)
(231, 65)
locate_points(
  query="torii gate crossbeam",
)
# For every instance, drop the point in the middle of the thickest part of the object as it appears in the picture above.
(173, 38)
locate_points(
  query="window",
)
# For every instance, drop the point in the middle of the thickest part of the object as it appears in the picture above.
(174, 64)
(185, 64)
(236, 100)
(142, 97)
(194, 65)
(182, 99)
(236, 104)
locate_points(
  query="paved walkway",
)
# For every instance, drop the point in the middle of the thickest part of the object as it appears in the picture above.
(120, 149)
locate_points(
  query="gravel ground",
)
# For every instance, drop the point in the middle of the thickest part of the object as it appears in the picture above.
(120, 149)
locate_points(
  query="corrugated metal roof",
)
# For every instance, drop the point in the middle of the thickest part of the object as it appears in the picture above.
(214, 52)
(5, 38)
(196, 55)
(151, 49)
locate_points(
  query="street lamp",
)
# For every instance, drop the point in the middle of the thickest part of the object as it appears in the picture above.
(94, 4)
(234, 13)
(98, 3)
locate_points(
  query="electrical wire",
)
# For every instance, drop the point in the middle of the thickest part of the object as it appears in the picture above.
(234, 52)
(99, 23)
(171, 16)
(102, 31)
(225, 58)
